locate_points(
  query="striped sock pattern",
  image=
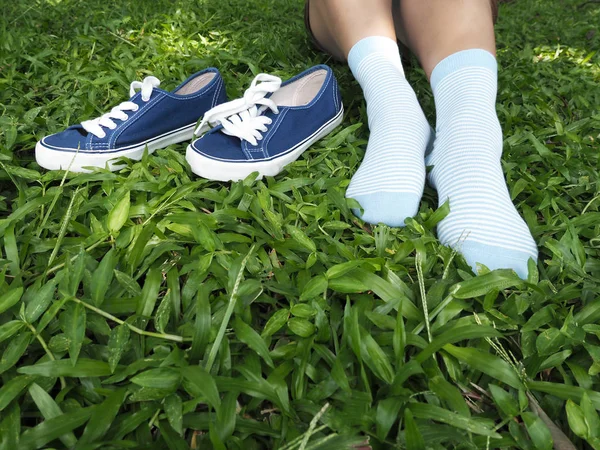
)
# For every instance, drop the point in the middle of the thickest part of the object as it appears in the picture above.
(389, 183)
(483, 223)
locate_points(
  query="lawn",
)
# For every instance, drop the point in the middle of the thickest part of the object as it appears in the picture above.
(150, 309)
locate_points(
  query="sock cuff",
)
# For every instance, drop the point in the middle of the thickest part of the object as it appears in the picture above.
(374, 44)
(466, 58)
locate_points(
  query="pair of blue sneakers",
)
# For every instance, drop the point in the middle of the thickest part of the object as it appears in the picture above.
(266, 129)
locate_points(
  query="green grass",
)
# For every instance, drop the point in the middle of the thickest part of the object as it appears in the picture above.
(150, 309)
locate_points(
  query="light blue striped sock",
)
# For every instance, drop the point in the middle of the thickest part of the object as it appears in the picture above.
(389, 183)
(483, 223)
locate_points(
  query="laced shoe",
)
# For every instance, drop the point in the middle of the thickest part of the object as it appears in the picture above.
(268, 128)
(151, 118)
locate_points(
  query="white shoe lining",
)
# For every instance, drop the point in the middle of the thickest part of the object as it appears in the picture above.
(196, 84)
(302, 91)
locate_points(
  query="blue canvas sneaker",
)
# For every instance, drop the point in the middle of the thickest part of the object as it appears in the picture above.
(151, 118)
(271, 126)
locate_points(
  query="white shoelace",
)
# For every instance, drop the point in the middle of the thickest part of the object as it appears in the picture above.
(95, 126)
(242, 117)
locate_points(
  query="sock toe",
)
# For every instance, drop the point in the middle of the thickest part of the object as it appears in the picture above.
(390, 208)
(496, 257)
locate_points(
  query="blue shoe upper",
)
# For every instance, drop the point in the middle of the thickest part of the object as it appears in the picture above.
(163, 113)
(293, 124)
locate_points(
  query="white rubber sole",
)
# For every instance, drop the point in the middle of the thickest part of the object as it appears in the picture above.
(216, 170)
(78, 161)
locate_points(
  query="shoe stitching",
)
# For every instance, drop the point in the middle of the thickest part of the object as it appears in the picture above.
(216, 94)
(336, 99)
(333, 93)
(294, 147)
(247, 151)
(100, 146)
(272, 132)
(116, 150)
(126, 125)
(103, 146)
(264, 143)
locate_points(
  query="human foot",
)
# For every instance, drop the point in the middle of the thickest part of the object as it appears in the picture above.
(483, 223)
(389, 183)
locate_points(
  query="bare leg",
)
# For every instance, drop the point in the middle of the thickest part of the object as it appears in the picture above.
(389, 183)
(435, 29)
(454, 41)
(339, 24)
